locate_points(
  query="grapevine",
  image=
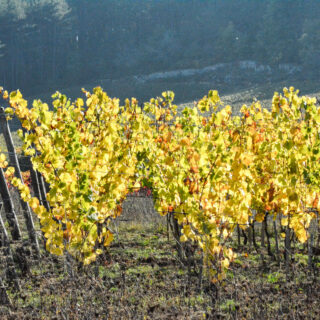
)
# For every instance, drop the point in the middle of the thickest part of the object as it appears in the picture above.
(212, 170)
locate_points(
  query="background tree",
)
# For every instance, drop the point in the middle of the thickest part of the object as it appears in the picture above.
(47, 45)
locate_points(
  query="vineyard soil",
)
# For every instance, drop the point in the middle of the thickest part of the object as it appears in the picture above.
(142, 278)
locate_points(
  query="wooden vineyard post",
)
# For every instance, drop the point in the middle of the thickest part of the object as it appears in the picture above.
(43, 191)
(14, 161)
(267, 234)
(8, 253)
(37, 189)
(318, 229)
(276, 240)
(9, 208)
(34, 180)
(239, 235)
(263, 227)
(4, 298)
(310, 253)
(287, 250)
(37, 184)
(250, 235)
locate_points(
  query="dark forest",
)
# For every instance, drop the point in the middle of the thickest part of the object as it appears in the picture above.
(47, 45)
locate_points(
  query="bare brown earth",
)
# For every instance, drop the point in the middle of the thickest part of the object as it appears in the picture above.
(141, 277)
